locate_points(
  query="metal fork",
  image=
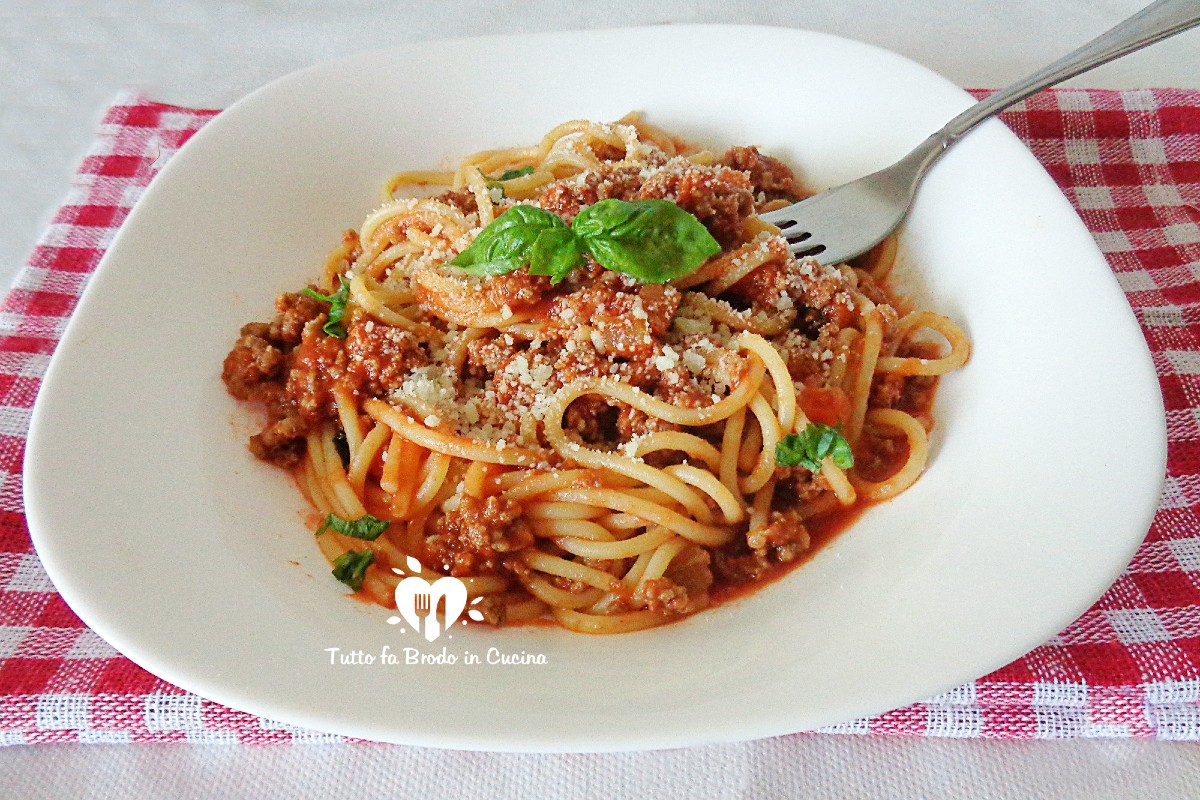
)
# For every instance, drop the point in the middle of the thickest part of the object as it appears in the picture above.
(849, 220)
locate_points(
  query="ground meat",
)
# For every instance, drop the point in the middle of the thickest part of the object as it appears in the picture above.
(294, 310)
(625, 322)
(472, 539)
(485, 357)
(663, 596)
(281, 442)
(783, 539)
(719, 197)
(516, 289)
(612, 181)
(593, 419)
(252, 362)
(379, 357)
(768, 176)
(317, 365)
(762, 288)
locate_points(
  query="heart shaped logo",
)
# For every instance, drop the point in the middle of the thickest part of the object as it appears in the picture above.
(417, 600)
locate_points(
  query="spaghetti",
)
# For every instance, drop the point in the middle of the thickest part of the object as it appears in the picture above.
(585, 444)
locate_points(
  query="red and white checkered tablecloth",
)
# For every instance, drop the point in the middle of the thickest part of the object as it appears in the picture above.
(1129, 161)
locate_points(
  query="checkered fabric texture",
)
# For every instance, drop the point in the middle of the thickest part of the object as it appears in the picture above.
(1129, 161)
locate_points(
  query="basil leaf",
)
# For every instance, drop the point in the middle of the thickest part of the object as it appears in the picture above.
(811, 446)
(365, 527)
(509, 174)
(351, 566)
(556, 252)
(505, 245)
(653, 240)
(337, 308)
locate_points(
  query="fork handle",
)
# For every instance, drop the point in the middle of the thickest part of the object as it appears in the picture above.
(1153, 23)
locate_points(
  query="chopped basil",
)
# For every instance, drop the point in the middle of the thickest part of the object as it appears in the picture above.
(365, 527)
(655, 241)
(652, 240)
(808, 448)
(351, 566)
(509, 174)
(507, 243)
(337, 308)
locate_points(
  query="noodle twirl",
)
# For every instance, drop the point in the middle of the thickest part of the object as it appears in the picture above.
(586, 378)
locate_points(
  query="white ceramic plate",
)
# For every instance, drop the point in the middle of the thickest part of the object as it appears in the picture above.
(175, 545)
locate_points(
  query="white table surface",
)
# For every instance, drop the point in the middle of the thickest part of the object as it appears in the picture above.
(62, 61)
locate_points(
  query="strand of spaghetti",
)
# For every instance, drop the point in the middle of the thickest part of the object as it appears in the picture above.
(841, 357)
(761, 509)
(475, 481)
(347, 412)
(661, 559)
(543, 482)
(449, 444)
(336, 475)
(842, 488)
(455, 301)
(310, 484)
(616, 500)
(694, 504)
(576, 528)
(648, 404)
(607, 623)
(437, 466)
(490, 160)
(651, 133)
(414, 533)
(409, 462)
(743, 260)
(456, 353)
(477, 183)
(768, 424)
(556, 510)
(634, 576)
(785, 389)
(731, 443)
(960, 348)
(428, 212)
(552, 596)
(571, 570)
(365, 299)
(751, 447)
(339, 260)
(316, 455)
(331, 547)
(393, 458)
(753, 321)
(628, 548)
(918, 454)
(416, 177)
(872, 340)
(624, 465)
(365, 455)
(620, 521)
(883, 258)
(688, 443)
(708, 483)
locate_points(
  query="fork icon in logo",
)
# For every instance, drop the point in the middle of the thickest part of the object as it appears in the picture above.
(417, 600)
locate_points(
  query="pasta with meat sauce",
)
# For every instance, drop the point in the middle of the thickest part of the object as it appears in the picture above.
(588, 380)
